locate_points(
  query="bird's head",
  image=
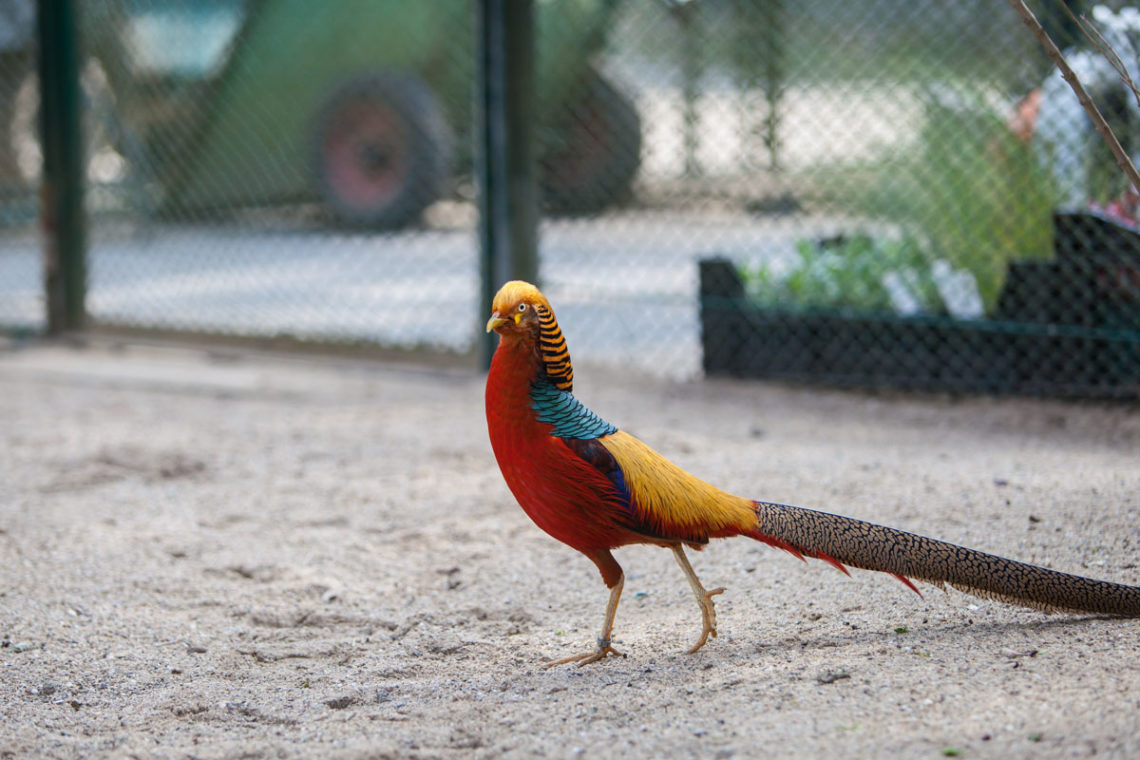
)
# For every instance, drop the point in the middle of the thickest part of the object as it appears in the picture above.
(516, 309)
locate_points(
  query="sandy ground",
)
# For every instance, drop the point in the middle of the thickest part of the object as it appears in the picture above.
(214, 556)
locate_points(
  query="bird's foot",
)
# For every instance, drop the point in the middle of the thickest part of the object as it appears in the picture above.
(602, 651)
(708, 616)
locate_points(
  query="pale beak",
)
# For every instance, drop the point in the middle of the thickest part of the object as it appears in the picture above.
(495, 321)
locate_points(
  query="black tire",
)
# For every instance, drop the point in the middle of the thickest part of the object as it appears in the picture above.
(381, 150)
(593, 162)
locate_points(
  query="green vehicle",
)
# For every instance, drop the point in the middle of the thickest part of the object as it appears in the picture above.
(364, 106)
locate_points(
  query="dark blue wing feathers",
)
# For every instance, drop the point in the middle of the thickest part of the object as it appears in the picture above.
(599, 457)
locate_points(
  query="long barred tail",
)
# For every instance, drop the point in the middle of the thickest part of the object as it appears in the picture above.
(847, 541)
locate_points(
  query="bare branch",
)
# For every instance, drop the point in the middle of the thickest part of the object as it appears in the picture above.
(1122, 159)
(1102, 45)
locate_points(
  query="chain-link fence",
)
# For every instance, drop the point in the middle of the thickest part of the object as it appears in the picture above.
(886, 192)
(21, 302)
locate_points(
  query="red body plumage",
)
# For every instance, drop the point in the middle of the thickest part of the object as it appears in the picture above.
(563, 494)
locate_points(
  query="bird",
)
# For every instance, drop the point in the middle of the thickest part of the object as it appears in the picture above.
(596, 488)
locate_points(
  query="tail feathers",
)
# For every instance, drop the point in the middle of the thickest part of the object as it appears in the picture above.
(803, 553)
(841, 541)
(906, 582)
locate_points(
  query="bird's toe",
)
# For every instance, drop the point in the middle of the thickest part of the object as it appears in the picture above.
(600, 653)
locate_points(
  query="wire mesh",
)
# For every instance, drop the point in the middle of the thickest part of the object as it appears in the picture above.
(287, 174)
(21, 303)
(884, 193)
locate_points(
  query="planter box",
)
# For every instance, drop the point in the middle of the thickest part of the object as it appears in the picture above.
(1067, 327)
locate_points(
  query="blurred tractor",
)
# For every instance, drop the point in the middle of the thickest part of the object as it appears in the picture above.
(364, 106)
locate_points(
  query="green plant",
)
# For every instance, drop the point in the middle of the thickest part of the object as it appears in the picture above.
(856, 272)
(969, 188)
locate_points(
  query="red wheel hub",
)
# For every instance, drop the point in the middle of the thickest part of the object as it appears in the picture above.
(365, 153)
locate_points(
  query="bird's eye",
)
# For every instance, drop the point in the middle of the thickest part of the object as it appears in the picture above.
(522, 307)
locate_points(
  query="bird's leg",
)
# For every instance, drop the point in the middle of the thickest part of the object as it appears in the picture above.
(704, 598)
(603, 649)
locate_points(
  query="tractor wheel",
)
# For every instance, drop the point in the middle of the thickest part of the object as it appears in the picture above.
(381, 150)
(594, 162)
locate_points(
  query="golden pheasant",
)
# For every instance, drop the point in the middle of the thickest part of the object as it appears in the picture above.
(595, 488)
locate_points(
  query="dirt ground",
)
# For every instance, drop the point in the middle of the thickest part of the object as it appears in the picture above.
(206, 555)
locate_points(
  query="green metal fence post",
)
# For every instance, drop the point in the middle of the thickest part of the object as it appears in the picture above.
(505, 165)
(61, 199)
(688, 16)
